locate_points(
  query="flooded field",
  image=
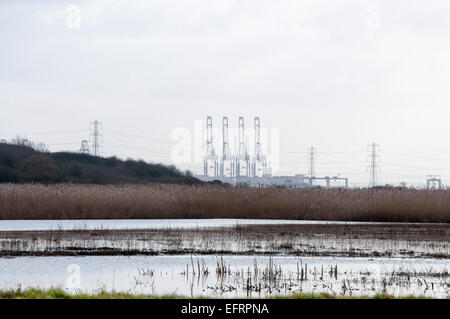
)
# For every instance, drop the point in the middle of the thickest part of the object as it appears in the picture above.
(309, 239)
(229, 276)
(227, 258)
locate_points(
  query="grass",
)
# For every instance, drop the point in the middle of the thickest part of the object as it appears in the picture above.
(57, 293)
(328, 296)
(73, 201)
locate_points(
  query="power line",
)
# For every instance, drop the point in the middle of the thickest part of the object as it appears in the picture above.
(57, 144)
(43, 133)
(138, 148)
(331, 152)
(418, 157)
(133, 136)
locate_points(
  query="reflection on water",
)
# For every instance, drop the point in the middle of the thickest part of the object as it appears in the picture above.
(90, 224)
(231, 276)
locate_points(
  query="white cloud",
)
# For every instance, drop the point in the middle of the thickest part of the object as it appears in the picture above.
(315, 69)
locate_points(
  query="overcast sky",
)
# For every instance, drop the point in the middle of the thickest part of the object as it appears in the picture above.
(336, 75)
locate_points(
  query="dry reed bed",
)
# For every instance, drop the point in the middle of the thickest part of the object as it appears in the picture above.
(69, 201)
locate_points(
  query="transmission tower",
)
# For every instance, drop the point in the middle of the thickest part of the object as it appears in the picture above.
(96, 137)
(84, 149)
(373, 166)
(311, 163)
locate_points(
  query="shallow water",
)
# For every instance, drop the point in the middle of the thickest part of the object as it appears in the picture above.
(91, 224)
(174, 274)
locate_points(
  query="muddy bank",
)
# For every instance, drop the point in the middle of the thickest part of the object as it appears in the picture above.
(77, 251)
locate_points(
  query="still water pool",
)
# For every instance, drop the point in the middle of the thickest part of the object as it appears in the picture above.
(229, 276)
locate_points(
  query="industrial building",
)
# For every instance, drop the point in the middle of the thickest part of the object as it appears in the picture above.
(295, 181)
(241, 167)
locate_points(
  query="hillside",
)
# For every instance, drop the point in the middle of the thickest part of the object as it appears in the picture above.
(20, 164)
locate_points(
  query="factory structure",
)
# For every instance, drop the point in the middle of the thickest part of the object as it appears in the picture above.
(242, 166)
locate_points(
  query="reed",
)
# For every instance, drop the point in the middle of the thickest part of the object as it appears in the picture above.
(70, 201)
